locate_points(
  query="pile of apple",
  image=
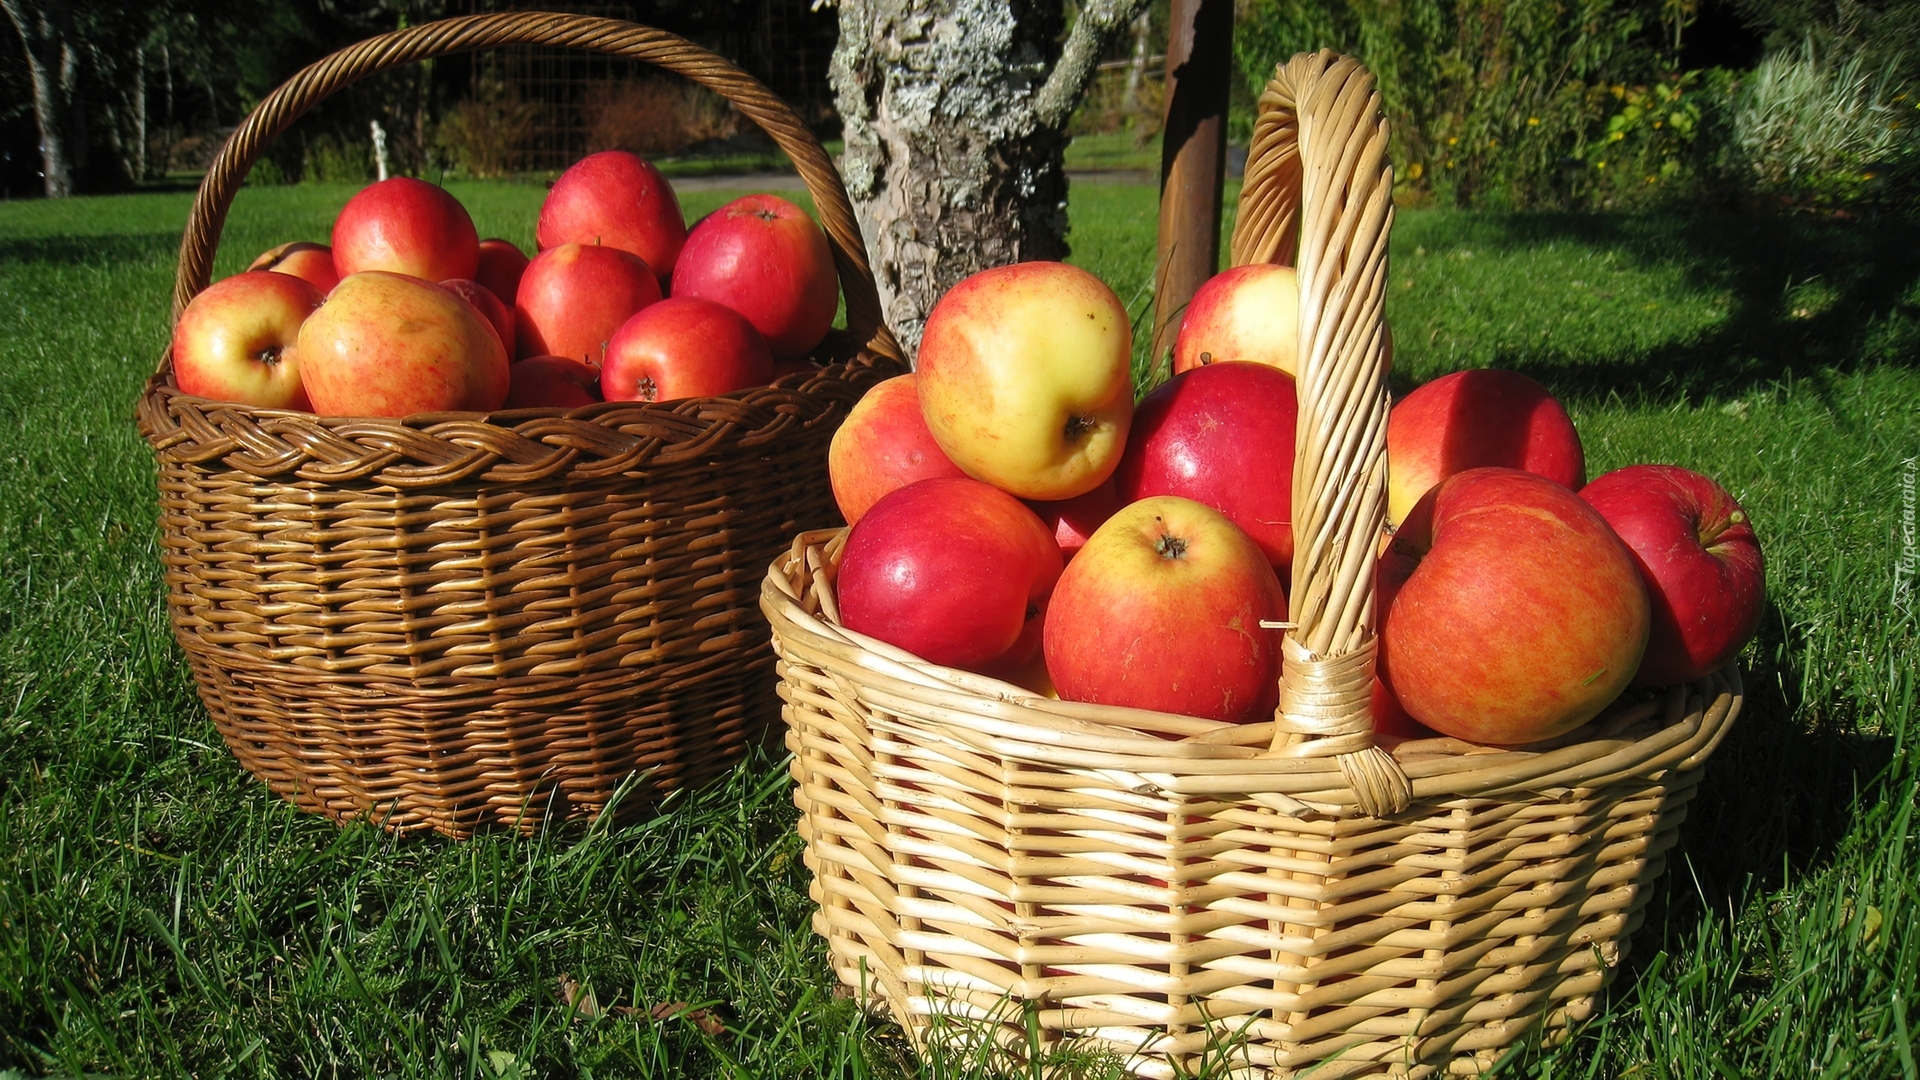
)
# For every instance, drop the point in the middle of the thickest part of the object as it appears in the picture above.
(409, 311)
(1014, 513)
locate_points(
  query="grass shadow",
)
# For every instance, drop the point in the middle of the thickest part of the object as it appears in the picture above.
(107, 249)
(1797, 295)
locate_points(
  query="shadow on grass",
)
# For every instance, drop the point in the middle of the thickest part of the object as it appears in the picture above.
(1800, 295)
(108, 248)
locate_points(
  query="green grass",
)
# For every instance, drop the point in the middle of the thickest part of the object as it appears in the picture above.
(161, 914)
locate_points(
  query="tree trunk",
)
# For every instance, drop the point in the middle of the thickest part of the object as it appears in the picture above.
(955, 115)
(139, 92)
(1137, 70)
(46, 30)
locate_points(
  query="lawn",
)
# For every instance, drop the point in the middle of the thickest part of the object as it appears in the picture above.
(161, 914)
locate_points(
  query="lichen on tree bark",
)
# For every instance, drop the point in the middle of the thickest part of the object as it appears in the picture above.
(955, 116)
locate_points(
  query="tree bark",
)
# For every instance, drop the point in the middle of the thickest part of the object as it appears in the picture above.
(53, 61)
(1192, 159)
(1137, 69)
(954, 116)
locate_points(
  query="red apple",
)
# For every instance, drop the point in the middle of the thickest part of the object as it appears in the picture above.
(952, 570)
(684, 348)
(883, 446)
(552, 382)
(1471, 419)
(1162, 609)
(1249, 313)
(1517, 614)
(573, 297)
(1389, 716)
(1026, 381)
(501, 264)
(406, 226)
(619, 200)
(312, 263)
(394, 345)
(1701, 562)
(764, 257)
(1074, 520)
(498, 315)
(1222, 435)
(238, 340)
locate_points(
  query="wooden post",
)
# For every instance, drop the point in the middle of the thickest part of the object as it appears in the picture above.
(1192, 158)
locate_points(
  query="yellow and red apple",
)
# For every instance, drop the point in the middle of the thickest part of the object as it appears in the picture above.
(394, 345)
(619, 200)
(1515, 613)
(883, 446)
(1025, 380)
(238, 340)
(312, 263)
(1249, 313)
(1162, 609)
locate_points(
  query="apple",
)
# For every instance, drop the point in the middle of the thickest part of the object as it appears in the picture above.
(552, 382)
(952, 570)
(1390, 718)
(1162, 609)
(573, 297)
(501, 264)
(406, 226)
(883, 446)
(1697, 552)
(491, 308)
(312, 263)
(684, 348)
(1074, 520)
(394, 345)
(238, 340)
(1025, 378)
(1249, 313)
(764, 257)
(1221, 434)
(1471, 419)
(615, 199)
(1516, 615)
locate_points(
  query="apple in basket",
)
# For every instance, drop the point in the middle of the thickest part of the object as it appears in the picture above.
(552, 382)
(1700, 559)
(406, 226)
(619, 200)
(238, 340)
(393, 345)
(684, 348)
(573, 297)
(1162, 610)
(312, 263)
(1222, 435)
(952, 570)
(1249, 313)
(883, 446)
(1471, 419)
(491, 308)
(1025, 378)
(501, 264)
(1075, 520)
(1516, 614)
(764, 257)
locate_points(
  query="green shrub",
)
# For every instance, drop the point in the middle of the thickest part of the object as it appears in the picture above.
(1807, 132)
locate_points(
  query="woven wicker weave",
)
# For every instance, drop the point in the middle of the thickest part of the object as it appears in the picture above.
(1280, 895)
(457, 619)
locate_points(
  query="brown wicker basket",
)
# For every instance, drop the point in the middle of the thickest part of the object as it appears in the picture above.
(455, 620)
(1285, 898)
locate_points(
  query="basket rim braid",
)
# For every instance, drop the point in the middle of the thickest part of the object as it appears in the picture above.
(1288, 897)
(449, 620)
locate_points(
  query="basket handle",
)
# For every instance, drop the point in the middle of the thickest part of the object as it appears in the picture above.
(1318, 171)
(320, 80)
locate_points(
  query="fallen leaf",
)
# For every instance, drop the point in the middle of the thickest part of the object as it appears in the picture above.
(579, 999)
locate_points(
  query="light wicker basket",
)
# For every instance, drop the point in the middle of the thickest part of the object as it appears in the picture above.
(458, 620)
(1285, 897)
